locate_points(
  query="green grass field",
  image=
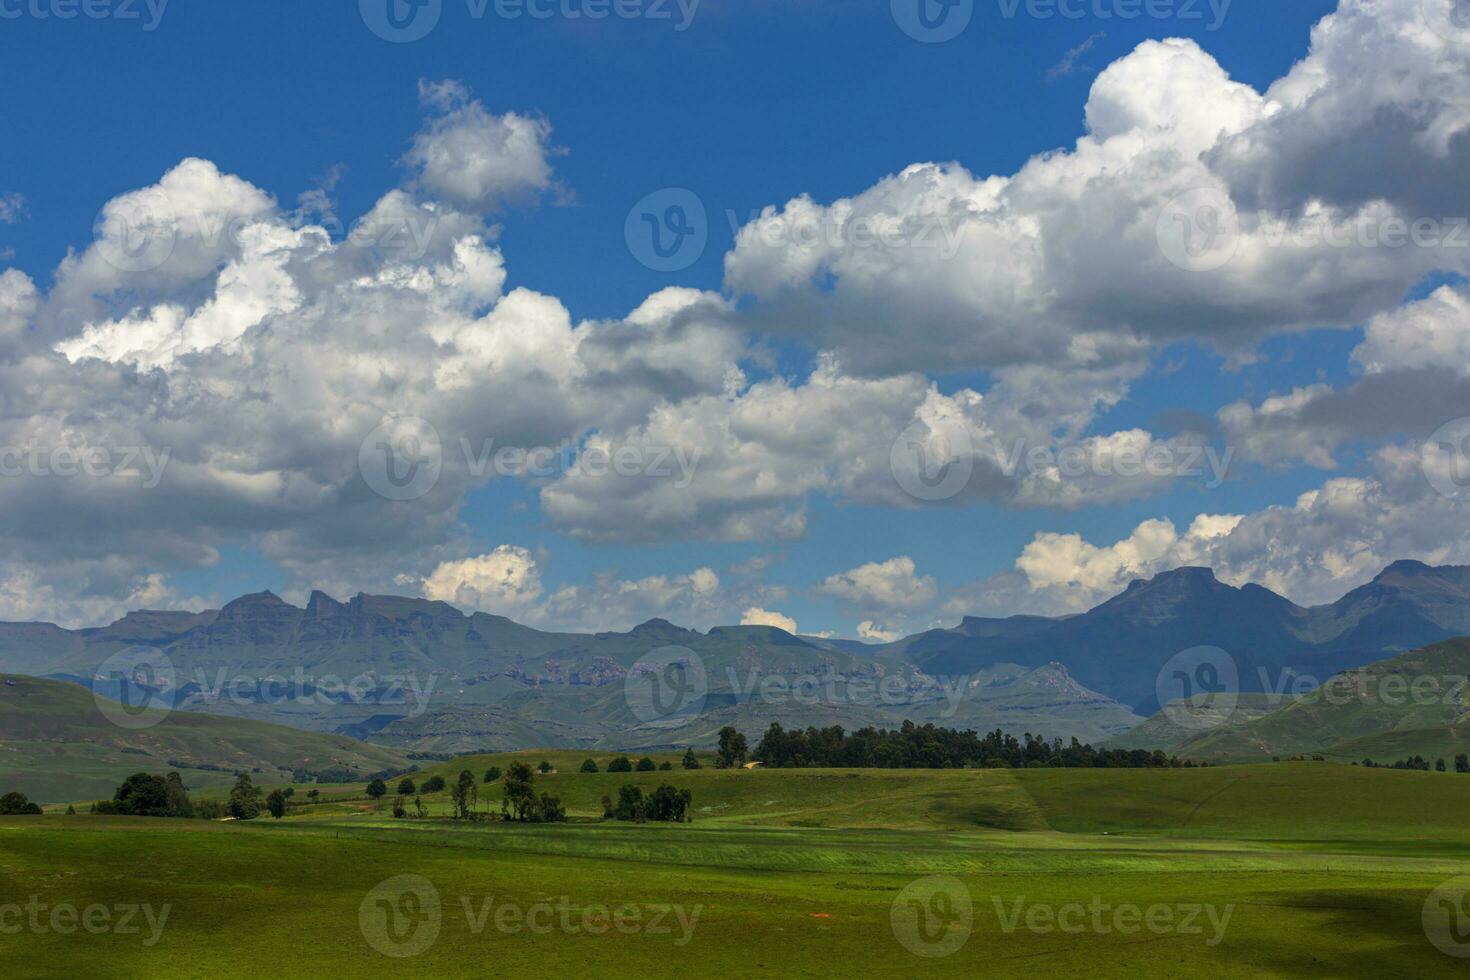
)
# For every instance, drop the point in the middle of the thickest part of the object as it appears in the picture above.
(1283, 870)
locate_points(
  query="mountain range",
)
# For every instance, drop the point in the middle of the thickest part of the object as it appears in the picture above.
(428, 677)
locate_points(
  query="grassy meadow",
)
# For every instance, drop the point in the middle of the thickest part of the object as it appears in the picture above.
(1277, 870)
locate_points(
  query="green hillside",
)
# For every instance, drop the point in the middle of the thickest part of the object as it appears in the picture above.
(1415, 703)
(1180, 721)
(55, 744)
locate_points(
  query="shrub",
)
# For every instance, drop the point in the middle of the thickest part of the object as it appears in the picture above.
(17, 804)
(492, 775)
(620, 764)
(589, 765)
(645, 764)
(434, 784)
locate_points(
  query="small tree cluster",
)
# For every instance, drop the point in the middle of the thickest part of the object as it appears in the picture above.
(17, 804)
(520, 802)
(665, 804)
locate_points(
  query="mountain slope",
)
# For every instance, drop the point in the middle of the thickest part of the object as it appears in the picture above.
(55, 744)
(1415, 703)
(1119, 647)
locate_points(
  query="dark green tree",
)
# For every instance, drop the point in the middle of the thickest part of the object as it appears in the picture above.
(646, 764)
(276, 803)
(434, 784)
(589, 765)
(544, 767)
(520, 795)
(492, 775)
(377, 789)
(406, 787)
(178, 796)
(16, 805)
(1462, 763)
(690, 762)
(621, 764)
(549, 809)
(244, 798)
(464, 795)
(142, 795)
(668, 804)
(732, 750)
(630, 804)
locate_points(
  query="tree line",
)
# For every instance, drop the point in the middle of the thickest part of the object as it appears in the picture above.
(1418, 762)
(931, 747)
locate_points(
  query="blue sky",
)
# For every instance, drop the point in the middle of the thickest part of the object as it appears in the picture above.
(755, 103)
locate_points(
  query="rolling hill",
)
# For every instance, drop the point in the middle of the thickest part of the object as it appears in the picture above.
(1417, 703)
(56, 744)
